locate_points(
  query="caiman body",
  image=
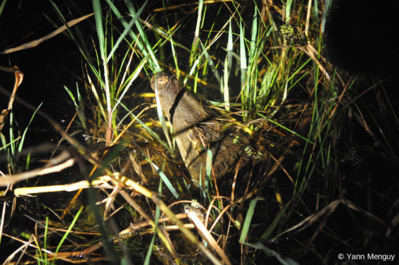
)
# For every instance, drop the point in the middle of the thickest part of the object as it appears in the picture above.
(196, 130)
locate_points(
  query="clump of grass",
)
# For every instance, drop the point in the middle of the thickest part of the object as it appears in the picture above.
(267, 64)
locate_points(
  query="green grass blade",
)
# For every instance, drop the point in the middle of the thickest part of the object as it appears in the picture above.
(3, 4)
(148, 51)
(165, 179)
(287, 129)
(142, 43)
(211, 63)
(128, 28)
(156, 221)
(11, 131)
(227, 69)
(288, 11)
(254, 35)
(230, 48)
(71, 96)
(197, 28)
(2, 219)
(149, 252)
(243, 57)
(99, 27)
(45, 238)
(248, 219)
(208, 167)
(326, 12)
(75, 219)
(148, 129)
(20, 145)
(135, 74)
(5, 144)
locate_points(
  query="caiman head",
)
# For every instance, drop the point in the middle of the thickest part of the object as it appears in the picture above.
(168, 88)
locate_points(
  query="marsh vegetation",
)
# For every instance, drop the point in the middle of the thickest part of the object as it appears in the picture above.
(113, 186)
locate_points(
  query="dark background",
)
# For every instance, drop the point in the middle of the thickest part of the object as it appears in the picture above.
(362, 37)
(47, 68)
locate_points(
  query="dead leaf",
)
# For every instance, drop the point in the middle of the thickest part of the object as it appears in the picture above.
(19, 76)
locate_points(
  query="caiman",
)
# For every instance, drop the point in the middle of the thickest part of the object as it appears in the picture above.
(196, 129)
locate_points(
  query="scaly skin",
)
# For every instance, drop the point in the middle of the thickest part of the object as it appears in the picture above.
(196, 130)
